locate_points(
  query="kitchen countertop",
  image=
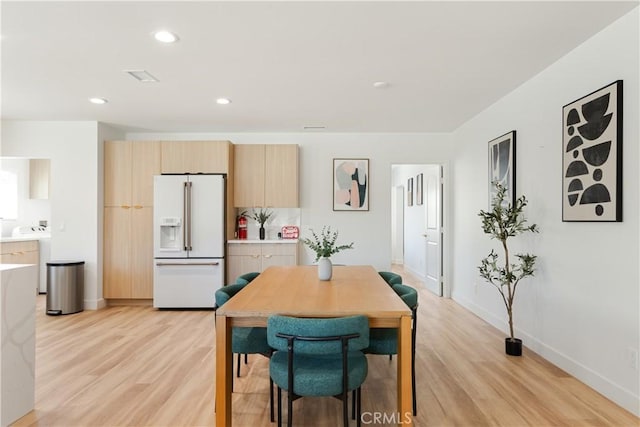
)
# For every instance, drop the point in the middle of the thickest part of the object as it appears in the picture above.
(17, 239)
(18, 325)
(290, 241)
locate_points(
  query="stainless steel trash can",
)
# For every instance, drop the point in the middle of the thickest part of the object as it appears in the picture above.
(65, 287)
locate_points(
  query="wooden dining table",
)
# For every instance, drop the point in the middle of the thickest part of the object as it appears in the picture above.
(297, 291)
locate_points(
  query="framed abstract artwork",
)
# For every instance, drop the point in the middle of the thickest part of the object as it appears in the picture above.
(502, 165)
(592, 156)
(410, 192)
(419, 193)
(350, 184)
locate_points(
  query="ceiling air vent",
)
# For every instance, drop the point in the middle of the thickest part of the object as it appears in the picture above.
(141, 75)
(316, 128)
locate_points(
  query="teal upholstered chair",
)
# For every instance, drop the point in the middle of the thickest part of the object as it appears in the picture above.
(385, 340)
(318, 357)
(247, 278)
(245, 340)
(391, 278)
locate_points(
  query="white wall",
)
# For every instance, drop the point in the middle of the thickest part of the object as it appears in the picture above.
(73, 150)
(581, 311)
(370, 230)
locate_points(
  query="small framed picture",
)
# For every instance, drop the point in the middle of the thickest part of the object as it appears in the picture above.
(350, 184)
(502, 166)
(419, 193)
(410, 192)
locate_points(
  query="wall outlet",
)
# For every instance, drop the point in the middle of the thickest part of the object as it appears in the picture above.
(633, 358)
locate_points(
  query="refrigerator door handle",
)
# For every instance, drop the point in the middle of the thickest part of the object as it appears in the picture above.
(189, 184)
(173, 264)
(184, 215)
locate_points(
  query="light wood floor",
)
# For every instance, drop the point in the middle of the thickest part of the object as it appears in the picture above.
(135, 366)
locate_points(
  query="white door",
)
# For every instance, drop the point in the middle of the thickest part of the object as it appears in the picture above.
(433, 233)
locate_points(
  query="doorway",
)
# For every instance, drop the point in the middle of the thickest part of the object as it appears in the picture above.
(417, 222)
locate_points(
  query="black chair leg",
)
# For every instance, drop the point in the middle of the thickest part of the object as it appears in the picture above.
(290, 408)
(413, 385)
(272, 418)
(413, 358)
(390, 357)
(239, 360)
(353, 405)
(246, 358)
(359, 394)
(345, 411)
(279, 407)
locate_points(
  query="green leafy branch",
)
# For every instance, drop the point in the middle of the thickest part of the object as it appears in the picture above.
(324, 245)
(262, 216)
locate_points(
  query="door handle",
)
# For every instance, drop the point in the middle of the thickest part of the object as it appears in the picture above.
(173, 264)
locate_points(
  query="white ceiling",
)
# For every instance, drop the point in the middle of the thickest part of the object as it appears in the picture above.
(285, 65)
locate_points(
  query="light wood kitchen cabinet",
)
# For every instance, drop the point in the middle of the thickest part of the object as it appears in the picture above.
(128, 252)
(266, 175)
(129, 167)
(21, 252)
(249, 257)
(39, 178)
(195, 156)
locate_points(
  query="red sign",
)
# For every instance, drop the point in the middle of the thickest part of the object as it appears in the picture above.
(290, 232)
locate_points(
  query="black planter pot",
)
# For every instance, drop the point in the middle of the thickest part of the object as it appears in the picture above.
(513, 347)
(261, 233)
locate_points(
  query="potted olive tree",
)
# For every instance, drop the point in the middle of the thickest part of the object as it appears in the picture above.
(503, 221)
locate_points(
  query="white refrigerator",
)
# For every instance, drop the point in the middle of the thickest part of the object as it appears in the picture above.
(188, 239)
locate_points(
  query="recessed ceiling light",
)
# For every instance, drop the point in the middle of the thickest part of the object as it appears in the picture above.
(165, 36)
(223, 101)
(99, 101)
(381, 85)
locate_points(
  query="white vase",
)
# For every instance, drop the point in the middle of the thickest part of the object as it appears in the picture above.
(325, 269)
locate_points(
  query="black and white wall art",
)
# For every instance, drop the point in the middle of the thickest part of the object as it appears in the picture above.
(592, 156)
(502, 165)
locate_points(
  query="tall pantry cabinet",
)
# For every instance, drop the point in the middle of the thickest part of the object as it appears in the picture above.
(129, 168)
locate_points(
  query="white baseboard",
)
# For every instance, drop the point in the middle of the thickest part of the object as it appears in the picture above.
(620, 395)
(95, 304)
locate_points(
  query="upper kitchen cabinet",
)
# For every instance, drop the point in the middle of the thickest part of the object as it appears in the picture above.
(39, 178)
(129, 167)
(266, 175)
(195, 156)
